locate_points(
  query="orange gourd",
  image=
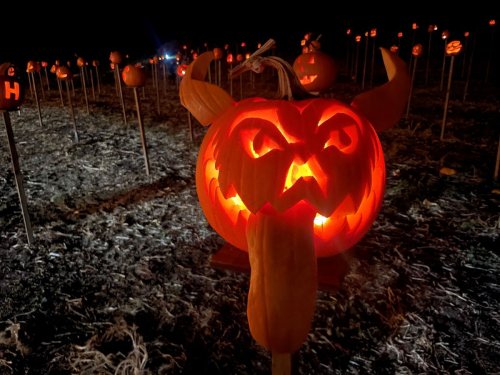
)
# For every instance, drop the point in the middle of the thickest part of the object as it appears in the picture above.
(115, 57)
(453, 48)
(290, 181)
(133, 76)
(316, 71)
(417, 50)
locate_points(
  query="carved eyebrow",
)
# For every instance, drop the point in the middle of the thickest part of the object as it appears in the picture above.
(267, 114)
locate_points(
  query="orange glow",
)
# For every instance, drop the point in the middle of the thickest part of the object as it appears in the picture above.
(181, 70)
(239, 57)
(414, 26)
(394, 49)
(247, 55)
(11, 71)
(358, 38)
(453, 48)
(373, 33)
(315, 174)
(229, 58)
(400, 35)
(492, 22)
(300, 170)
(417, 50)
(217, 53)
(466, 34)
(308, 79)
(348, 32)
(44, 64)
(303, 42)
(445, 34)
(11, 88)
(259, 45)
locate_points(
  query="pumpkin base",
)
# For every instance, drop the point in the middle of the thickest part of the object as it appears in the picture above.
(331, 270)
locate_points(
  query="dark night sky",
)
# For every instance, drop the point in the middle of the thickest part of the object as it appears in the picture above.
(92, 32)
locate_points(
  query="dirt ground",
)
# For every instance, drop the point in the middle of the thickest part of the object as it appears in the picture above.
(119, 280)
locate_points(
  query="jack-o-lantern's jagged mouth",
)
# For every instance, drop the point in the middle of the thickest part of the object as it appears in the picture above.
(316, 151)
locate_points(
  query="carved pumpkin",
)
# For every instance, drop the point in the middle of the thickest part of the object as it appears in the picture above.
(181, 70)
(80, 62)
(95, 63)
(11, 88)
(32, 67)
(453, 48)
(316, 71)
(133, 76)
(417, 50)
(394, 49)
(115, 57)
(63, 72)
(289, 181)
(218, 53)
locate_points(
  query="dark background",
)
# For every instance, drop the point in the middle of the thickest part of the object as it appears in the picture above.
(55, 31)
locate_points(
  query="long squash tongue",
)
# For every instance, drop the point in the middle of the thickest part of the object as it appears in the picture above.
(283, 281)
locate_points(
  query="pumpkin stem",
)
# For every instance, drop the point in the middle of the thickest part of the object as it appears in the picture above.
(289, 86)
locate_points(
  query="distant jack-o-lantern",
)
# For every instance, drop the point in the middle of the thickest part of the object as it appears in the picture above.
(453, 48)
(394, 49)
(32, 67)
(44, 64)
(181, 70)
(95, 63)
(63, 72)
(239, 57)
(218, 53)
(445, 34)
(11, 88)
(316, 71)
(80, 62)
(115, 57)
(133, 76)
(417, 50)
(229, 58)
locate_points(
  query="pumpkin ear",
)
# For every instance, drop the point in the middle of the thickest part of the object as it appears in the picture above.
(204, 100)
(384, 105)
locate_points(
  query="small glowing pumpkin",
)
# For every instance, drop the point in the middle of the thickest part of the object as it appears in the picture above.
(453, 48)
(417, 50)
(133, 76)
(316, 71)
(11, 87)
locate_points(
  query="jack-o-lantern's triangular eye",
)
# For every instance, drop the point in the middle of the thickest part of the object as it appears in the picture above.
(340, 132)
(257, 143)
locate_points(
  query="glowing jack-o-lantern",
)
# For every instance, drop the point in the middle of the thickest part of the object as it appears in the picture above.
(11, 88)
(32, 66)
(181, 70)
(417, 50)
(453, 48)
(316, 71)
(290, 181)
(218, 53)
(115, 57)
(394, 49)
(133, 76)
(80, 62)
(63, 72)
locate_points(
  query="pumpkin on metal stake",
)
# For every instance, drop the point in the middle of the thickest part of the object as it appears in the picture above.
(134, 77)
(11, 97)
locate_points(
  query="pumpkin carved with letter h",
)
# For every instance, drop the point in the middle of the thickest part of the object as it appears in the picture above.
(11, 87)
(290, 181)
